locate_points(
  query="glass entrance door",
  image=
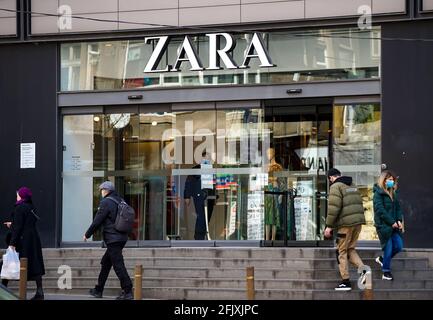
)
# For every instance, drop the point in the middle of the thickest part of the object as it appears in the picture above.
(300, 148)
(238, 164)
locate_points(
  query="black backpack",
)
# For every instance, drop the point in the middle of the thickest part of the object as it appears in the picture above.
(125, 216)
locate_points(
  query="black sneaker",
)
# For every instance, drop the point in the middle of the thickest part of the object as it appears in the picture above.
(387, 276)
(344, 286)
(379, 260)
(125, 296)
(95, 293)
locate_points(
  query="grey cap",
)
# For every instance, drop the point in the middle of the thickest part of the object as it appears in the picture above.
(107, 185)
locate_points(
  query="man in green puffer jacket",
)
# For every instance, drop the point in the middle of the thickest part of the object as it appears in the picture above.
(346, 215)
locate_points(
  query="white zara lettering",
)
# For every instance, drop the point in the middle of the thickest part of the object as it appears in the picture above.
(215, 54)
(187, 53)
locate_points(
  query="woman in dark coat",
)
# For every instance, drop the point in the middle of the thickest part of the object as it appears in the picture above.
(24, 238)
(388, 220)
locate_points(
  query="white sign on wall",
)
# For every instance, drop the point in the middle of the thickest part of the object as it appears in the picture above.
(28, 156)
(76, 163)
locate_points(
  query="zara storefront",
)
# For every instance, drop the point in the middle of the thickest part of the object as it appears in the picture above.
(260, 99)
(237, 127)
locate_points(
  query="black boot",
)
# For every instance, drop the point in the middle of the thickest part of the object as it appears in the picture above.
(125, 296)
(5, 282)
(39, 295)
(95, 293)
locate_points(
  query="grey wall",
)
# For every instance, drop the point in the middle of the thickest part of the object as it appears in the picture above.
(407, 69)
(197, 12)
(8, 20)
(427, 5)
(28, 114)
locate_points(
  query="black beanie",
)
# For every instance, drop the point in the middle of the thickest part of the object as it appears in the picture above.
(333, 172)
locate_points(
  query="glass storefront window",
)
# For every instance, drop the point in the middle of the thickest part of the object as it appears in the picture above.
(236, 164)
(357, 152)
(299, 56)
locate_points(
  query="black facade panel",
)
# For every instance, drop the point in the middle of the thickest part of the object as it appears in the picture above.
(28, 88)
(407, 129)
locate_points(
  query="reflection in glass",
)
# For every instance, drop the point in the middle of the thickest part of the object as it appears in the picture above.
(233, 165)
(357, 150)
(325, 54)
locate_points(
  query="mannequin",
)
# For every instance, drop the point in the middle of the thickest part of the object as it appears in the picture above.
(272, 202)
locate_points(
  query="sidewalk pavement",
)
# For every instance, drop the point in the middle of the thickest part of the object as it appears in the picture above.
(74, 297)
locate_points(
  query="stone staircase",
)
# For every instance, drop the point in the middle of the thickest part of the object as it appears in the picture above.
(219, 273)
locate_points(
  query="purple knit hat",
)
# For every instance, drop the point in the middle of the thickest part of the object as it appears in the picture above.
(25, 193)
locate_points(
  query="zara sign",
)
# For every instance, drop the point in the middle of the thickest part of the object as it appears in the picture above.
(217, 56)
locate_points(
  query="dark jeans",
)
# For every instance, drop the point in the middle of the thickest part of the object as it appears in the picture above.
(393, 246)
(200, 223)
(113, 258)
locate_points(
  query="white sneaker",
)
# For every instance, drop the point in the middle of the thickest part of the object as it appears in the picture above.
(387, 276)
(379, 260)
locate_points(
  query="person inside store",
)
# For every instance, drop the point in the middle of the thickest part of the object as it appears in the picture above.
(114, 240)
(23, 237)
(388, 220)
(273, 202)
(202, 196)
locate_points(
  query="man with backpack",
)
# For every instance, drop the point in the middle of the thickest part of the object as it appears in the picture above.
(346, 217)
(113, 215)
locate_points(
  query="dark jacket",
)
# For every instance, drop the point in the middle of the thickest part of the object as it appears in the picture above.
(386, 213)
(25, 237)
(105, 217)
(193, 187)
(345, 208)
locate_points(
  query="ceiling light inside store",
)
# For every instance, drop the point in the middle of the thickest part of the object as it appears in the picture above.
(154, 123)
(96, 119)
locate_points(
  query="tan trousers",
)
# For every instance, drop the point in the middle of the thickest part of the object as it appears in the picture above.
(346, 242)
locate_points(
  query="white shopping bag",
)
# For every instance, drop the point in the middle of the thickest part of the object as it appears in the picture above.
(11, 265)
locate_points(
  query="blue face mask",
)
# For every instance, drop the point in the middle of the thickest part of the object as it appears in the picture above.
(390, 184)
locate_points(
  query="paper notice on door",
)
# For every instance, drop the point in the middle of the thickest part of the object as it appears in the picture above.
(256, 218)
(206, 179)
(28, 156)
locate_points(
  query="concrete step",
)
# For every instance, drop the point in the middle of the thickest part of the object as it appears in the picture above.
(399, 275)
(182, 293)
(293, 264)
(292, 284)
(193, 272)
(219, 273)
(240, 273)
(232, 253)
